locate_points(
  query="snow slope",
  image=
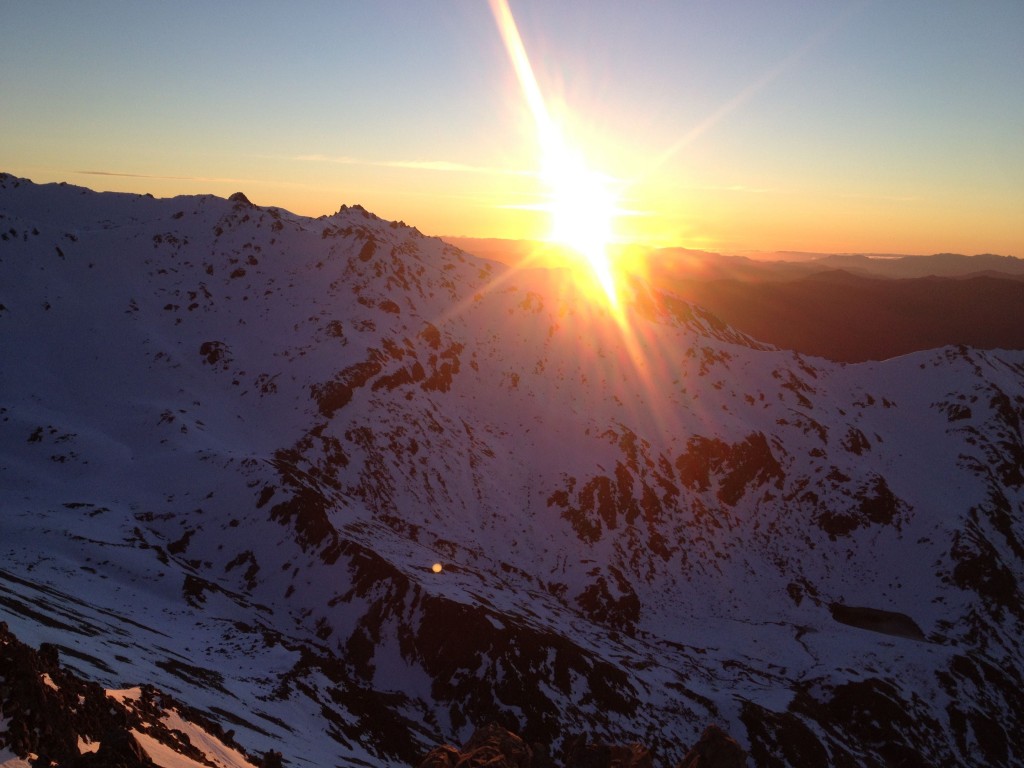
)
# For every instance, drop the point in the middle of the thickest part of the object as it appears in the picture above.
(233, 441)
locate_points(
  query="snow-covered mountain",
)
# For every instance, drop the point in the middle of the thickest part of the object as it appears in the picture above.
(235, 441)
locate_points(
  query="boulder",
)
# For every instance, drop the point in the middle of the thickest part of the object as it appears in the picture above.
(715, 749)
(491, 746)
(584, 755)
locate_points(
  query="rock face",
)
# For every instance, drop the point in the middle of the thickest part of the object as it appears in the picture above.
(53, 717)
(118, 749)
(235, 440)
(715, 750)
(495, 747)
(491, 746)
(581, 754)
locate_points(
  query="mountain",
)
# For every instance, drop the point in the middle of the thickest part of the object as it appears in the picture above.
(235, 443)
(847, 317)
(892, 265)
(846, 308)
(936, 265)
(690, 264)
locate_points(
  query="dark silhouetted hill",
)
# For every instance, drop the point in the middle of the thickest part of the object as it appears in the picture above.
(849, 318)
(844, 307)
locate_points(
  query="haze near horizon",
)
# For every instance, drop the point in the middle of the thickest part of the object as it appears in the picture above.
(850, 127)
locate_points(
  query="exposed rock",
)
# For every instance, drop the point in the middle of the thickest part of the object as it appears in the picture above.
(445, 756)
(496, 741)
(491, 746)
(583, 755)
(715, 750)
(495, 747)
(118, 749)
(49, 712)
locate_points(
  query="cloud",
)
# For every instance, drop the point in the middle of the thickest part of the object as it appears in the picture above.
(416, 165)
(140, 176)
(204, 179)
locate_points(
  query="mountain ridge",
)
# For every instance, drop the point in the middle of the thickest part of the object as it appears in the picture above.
(894, 305)
(851, 318)
(237, 440)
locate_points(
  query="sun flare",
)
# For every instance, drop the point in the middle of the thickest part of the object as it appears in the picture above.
(581, 204)
(582, 207)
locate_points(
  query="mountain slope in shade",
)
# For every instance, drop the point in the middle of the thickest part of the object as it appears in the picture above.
(846, 308)
(233, 442)
(850, 318)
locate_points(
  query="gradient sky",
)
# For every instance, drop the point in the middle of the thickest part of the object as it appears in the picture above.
(890, 127)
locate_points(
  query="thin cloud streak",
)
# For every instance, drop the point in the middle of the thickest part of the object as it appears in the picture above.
(141, 176)
(415, 165)
(205, 179)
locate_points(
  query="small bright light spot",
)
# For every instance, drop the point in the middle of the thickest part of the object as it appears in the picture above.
(436, 568)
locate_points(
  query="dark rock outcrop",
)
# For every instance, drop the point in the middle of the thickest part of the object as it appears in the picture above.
(495, 747)
(50, 712)
(491, 746)
(716, 749)
(118, 749)
(584, 755)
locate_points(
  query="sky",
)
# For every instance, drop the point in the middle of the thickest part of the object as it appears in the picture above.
(893, 126)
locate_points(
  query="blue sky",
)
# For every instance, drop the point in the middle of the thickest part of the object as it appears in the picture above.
(876, 126)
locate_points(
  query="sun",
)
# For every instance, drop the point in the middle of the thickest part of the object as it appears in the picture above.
(583, 208)
(581, 203)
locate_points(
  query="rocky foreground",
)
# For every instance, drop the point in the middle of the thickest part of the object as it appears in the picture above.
(496, 747)
(52, 717)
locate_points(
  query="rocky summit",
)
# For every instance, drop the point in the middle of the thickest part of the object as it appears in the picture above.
(349, 493)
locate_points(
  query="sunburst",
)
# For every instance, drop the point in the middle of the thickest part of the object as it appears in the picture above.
(581, 202)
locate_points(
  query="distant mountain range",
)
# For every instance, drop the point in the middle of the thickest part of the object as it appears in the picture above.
(782, 265)
(343, 492)
(844, 307)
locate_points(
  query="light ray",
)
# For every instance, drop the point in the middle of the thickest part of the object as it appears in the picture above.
(750, 90)
(582, 205)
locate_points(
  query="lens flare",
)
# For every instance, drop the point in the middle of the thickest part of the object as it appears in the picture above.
(582, 204)
(582, 209)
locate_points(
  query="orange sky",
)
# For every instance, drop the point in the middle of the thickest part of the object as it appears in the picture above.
(849, 126)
